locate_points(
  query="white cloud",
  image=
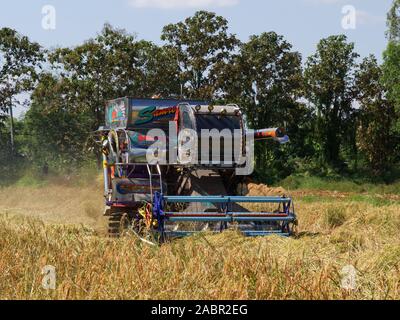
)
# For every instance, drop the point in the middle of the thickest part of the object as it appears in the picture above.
(364, 17)
(178, 4)
(324, 1)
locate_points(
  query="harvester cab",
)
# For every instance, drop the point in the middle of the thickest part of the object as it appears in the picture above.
(173, 167)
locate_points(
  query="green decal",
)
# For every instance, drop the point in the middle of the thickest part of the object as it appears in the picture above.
(146, 115)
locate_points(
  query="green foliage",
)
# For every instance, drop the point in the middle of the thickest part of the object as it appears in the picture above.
(68, 103)
(391, 76)
(393, 21)
(54, 134)
(19, 59)
(112, 65)
(265, 80)
(203, 48)
(11, 163)
(31, 180)
(330, 135)
(377, 115)
(376, 201)
(319, 183)
(329, 86)
(391, 65)
(341, 184)
(96, 71)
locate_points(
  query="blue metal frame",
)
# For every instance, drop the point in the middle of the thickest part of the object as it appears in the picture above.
(286, 216)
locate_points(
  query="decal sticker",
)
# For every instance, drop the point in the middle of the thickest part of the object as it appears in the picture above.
(151, 114)
(117, 112)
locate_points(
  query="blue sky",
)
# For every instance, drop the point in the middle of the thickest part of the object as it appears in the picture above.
(302, 22)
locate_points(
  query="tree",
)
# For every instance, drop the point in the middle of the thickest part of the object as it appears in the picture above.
(68, 104)
(329, 87)
(19, 60)
(393, 21)
(100, 69)
(159, 71)
(203, 48)
(266, 79)
(53, 134)
(374, 136)
(391, 57)
(114, 65)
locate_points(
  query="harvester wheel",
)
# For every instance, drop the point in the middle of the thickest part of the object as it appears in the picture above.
(118, 224)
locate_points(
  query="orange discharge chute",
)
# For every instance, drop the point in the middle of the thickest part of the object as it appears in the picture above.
(269, 133)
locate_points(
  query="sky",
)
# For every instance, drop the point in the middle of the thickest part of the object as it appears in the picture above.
(56, 23)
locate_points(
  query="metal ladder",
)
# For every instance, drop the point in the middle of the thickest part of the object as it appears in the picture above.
(158, 175)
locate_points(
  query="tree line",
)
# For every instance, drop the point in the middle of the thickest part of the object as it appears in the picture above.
(341, 112)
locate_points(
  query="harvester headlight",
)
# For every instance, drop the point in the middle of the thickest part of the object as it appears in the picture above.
(224, 112)
(198, 108)
(211, 108)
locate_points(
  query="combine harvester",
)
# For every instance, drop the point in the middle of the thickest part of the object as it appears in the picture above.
(170, 196)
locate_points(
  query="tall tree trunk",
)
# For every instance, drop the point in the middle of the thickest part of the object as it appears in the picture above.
(332, 146)
(12, 127)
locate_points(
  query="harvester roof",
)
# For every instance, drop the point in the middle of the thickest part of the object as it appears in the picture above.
(133, 113)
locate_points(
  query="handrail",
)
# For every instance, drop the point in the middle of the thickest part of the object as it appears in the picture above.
(225, 199)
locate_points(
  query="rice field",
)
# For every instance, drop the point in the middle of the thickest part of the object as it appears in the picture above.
(61, 226)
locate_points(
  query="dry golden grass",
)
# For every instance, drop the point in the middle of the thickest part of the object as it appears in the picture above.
(55, 204)
(59, 226)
